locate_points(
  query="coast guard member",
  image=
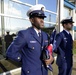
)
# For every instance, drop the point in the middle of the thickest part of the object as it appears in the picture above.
(31, 44)
(64, 45)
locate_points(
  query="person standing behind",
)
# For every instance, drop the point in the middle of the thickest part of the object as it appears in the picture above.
(8, 39)
(31, 44)
(63, 48)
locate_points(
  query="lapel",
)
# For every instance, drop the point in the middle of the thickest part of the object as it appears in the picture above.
(34, 34)
(64, 35)
(43, 38)
(67, 35)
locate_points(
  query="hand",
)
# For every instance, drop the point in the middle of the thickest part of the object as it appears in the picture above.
(49, 61)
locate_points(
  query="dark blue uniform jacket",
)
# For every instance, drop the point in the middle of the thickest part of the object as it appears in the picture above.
(63, 48)
(27, 48)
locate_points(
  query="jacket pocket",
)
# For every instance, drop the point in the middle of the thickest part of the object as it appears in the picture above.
(60, 60)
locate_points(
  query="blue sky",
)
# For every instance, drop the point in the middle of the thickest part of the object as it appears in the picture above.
(49, 4)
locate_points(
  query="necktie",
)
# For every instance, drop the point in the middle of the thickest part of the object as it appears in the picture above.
(39, 36)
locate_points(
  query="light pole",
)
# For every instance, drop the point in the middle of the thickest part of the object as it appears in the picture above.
(2, 27)
(49, 19)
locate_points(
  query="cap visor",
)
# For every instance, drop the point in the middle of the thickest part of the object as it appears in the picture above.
(41, 16)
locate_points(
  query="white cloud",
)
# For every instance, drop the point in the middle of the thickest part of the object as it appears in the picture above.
(15, 11)
(12, 10)
(13, 24)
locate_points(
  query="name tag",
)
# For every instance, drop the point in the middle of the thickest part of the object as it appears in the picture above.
(46, 40)
(65, 40)
(32, 41)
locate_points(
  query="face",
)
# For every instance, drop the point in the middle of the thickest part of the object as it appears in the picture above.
(68, 26)
(37, 22)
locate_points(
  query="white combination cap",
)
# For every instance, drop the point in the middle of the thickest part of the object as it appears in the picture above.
(67, 20)
(36, 10)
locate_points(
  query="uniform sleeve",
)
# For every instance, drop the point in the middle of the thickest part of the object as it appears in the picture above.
(14, 50)
(57, 42)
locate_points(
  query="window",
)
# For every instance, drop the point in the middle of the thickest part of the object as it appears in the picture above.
(33, 2)
(50, 4)
(68, 12)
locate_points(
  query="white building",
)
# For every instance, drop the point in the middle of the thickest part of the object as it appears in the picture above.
(68, 8)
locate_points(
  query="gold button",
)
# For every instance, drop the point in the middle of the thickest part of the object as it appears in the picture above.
(28, 71)
(42, 65)
(18, 58)
(32, 47)
(42, 47)
(64, 57)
